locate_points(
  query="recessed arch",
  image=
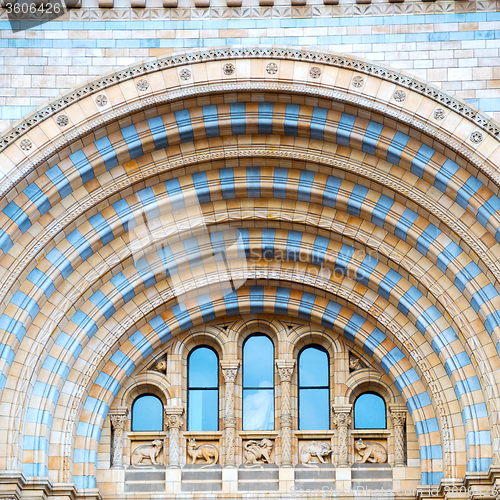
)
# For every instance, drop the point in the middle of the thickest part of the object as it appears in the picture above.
(405, 207)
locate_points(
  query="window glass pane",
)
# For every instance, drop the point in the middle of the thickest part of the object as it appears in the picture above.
(147, 414)
(314, 414)
(203, 368)
(313, 368)
(258, 410)
(203, 410)
(258, 362)
(369, 412)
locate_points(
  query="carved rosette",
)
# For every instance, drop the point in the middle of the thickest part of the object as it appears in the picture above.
(285, 371)
(342, 419)
(229, 370)
(118, 421)
(398, 422)
(174, 421)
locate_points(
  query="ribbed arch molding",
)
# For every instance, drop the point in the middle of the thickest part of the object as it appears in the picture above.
(256, 300)
(401, 207)
(102, 310)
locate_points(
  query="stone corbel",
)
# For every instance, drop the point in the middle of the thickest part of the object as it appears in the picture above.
(118, 418)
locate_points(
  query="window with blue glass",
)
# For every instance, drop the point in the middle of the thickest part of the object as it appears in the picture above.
(314, 389)
(370, 412)
(258, 383)
(203, 390)
(147, 413)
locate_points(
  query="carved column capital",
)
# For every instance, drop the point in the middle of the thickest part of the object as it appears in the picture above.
(173, 417)
(285, 369)
(230, 369)
(398, 419)
(341, 415)
(118, 417)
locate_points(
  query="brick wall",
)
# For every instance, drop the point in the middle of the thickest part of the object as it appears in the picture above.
(453, 45)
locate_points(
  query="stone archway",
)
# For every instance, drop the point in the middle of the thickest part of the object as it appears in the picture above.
(334, 163)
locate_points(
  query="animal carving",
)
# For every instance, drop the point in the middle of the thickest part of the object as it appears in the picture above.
(255, 452)
(150, 451)
(318, 449)
(371, 452)
(204, 450)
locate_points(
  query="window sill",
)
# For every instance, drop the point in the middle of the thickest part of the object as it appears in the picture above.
(145, 435)
(257, 434)
(313, 434)
(202, 434)
(373, 433)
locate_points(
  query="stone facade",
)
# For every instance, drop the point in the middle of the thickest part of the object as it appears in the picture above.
(196, 199)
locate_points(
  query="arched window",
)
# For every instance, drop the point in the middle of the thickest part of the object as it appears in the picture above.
(258, 384)
(203, 390)
(369, 412)
(147, 413)
(314, 389)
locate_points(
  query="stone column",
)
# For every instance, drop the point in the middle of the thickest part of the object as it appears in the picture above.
(174, 421)
(118, 420)
(398, 417)
(229, 370)
(285, 370)
(342, 419)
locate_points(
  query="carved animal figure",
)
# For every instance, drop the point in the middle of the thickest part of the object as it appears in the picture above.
(370, 452)
(318, 449)
(256, 452)
(204, 450)
(150, 451)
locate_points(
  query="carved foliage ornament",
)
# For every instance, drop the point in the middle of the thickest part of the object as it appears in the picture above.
(285, 373)
(358, 81)
(230, 374)
(342, 419)
(118, 420)
(185, 74)
(272, 68)
(476, 137)
(439, 114)
(315, 72)
(26, 144)
(398, 419)
(399, 95)
(228, 69)
(62, 120)
(101, 100)
(143, 85)
(174, 421)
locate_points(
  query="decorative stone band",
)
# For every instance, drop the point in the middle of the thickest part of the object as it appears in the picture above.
(191, 57)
